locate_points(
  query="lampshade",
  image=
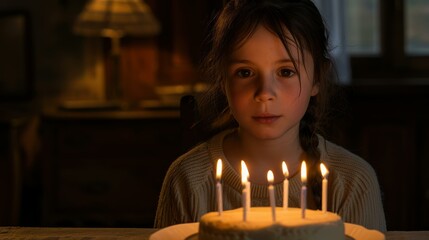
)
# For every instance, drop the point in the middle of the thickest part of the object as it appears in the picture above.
(113, 18)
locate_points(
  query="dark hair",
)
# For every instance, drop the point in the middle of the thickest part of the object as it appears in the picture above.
(234, 25)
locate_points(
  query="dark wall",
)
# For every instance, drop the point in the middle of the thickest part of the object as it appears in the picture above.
(387, 126)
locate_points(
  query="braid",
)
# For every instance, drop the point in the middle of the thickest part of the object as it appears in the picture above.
(309, 142)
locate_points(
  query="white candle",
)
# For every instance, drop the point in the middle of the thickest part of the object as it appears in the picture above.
(248, 199)
(285, 186)
(270, 178)
(243, 199)
(247, 185)
(325, 173)
(303, 189)
(246, 189)
(219, 186)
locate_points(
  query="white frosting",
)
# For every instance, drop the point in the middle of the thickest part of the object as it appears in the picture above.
(259, 225)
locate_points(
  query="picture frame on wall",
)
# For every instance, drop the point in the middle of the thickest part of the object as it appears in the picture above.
(16, 80)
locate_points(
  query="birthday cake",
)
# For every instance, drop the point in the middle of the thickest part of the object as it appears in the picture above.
(259, 224)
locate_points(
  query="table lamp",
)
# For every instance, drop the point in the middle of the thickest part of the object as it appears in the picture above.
(115, 19)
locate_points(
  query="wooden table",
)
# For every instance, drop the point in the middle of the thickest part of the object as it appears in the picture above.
(36, 233)
(30, 233)
(409, 235)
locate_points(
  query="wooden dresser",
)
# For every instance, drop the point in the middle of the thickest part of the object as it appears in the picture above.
(105, 168)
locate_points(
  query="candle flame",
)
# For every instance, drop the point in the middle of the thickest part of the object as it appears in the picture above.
(270, 177)
(219, 169)
(304, 172)
(324, 171)
(285, 170)
(244, 172)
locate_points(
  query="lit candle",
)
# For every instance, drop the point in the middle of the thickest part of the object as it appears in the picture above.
(247, 185)
(219, 186)
(246, 189)
(270, 178)
(303, 189)
(285, 186)
(325, 173)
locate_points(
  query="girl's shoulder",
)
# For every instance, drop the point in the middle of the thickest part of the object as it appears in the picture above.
(204, 153)
(196, 159)
(197, 164)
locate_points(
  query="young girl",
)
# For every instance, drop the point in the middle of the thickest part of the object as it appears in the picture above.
(270, 73)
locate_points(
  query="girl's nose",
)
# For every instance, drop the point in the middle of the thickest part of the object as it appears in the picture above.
(265, 90)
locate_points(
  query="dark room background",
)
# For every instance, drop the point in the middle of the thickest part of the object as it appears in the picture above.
(64, 162)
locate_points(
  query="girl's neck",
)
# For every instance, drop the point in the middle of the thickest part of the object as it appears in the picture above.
(263, 155)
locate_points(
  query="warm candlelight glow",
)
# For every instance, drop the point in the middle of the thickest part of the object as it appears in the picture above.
(324, 171)
(244, 172)
(246, 189)
(285, 186)
(270, 178)
(304, 172)
(219, 169)
(303, 189)
(285, 170)
(219, 186)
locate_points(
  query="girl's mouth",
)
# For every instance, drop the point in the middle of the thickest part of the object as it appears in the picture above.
(266, 119)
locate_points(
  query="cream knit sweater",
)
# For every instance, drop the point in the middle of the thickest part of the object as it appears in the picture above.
(189, 190)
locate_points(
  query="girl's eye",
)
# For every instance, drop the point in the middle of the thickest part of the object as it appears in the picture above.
(284, 72)
(244, 73)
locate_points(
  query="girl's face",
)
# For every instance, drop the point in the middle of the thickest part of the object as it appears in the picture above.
(265, 93)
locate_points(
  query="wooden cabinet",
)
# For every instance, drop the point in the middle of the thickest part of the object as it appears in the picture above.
(106, 168)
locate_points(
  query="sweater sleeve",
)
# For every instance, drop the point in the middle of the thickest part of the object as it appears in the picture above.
(171, 210)
(185, 190)
(355, 194)
(364, 205)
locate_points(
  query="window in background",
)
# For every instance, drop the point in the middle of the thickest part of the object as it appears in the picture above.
(417, 27)
(363, 27)
(388, 40)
